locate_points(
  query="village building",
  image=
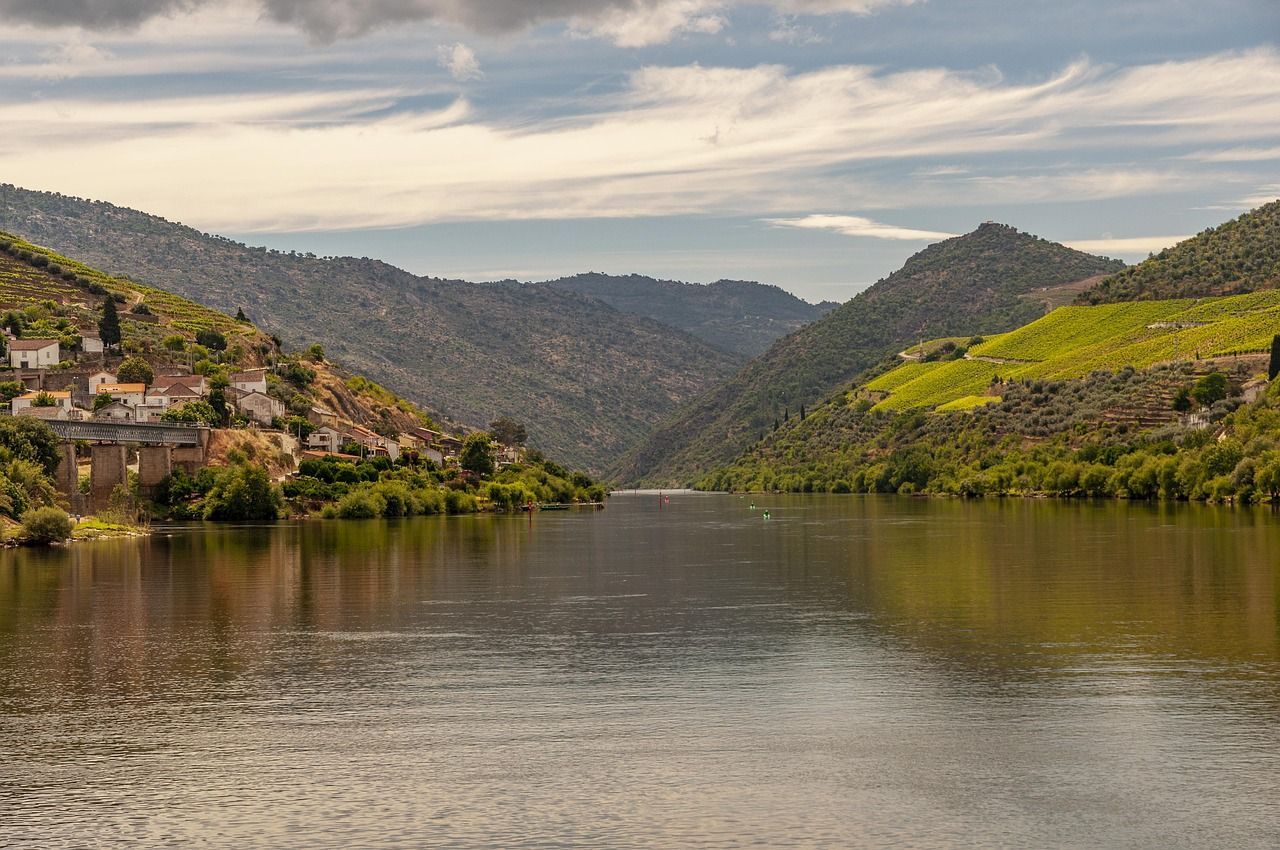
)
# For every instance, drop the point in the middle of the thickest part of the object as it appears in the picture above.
(55, 413)
(252, 381)
(170, 395)
(115, 412)
(260, 407)
(34, 353)
(131, 394)
(25, 402)
(97, 379)
(319, 416)
(325, 439)
(196, 383)
(91, 343)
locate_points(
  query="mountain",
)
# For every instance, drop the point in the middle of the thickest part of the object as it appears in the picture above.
(993, 279)
(1242, 255)
(738, 316)
(588, 380)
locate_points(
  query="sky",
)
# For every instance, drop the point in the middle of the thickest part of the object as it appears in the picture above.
(813, 144)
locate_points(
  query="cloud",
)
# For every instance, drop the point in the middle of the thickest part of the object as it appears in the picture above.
(1130, 246)
(760, 141)
(852, 225)
(460, 61)
(629, 23)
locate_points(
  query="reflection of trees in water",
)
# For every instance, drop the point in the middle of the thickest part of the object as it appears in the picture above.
(989, 581)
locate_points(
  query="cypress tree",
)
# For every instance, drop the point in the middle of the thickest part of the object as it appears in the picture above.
(109, 327)
(1274, 368)
(240, 316)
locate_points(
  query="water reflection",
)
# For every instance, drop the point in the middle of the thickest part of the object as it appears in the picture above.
(852, 671)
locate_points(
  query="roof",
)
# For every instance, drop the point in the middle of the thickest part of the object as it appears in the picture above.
(174, 390)
(189, 380)
(122, 388)
(50, 393)
(43, 412)
(246, 377)
(31, 344)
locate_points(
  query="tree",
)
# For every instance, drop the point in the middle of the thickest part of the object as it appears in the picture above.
(192, 412)
(243, 492)
(477, 455)
(508, 431)
(9, 390)
(1210, 388)
(211, 339)
(135, 370)
(27, 438)
(102, 400)
(1274, 368)
(109, 325)
(43, 399)
(316, 353)
(240, 316)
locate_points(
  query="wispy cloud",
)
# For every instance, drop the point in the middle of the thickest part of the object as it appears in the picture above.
(675, 140)
(852, 225)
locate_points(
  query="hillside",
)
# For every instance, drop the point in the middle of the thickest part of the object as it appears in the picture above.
(588, 380)
(55, 296)
(1072, 342)
(741, 317)
(1242, 255)
(983, 282)
(1112, 399)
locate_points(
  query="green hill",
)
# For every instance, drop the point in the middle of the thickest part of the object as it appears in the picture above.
(1239, 256)
(984, 282)
(589, 381)
(1072, 342)
(741, 317)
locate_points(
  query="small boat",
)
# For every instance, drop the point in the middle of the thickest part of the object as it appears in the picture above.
(554, 506)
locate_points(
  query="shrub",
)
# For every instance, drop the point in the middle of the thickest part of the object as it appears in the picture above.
(46, 525)
(361, 504)
(243, 492)
(212, 340)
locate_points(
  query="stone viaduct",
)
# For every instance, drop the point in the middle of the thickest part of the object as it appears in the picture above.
(160, 447)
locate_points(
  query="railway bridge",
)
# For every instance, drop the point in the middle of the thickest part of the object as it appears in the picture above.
(160, 447)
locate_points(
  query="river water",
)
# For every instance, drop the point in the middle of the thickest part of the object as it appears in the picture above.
(853, 672)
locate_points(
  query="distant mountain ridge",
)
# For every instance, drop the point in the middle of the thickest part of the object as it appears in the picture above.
(738, 316)
(587, 379)
(982, 282)
(1238, 256)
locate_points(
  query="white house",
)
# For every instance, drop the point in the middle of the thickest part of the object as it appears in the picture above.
(167, 396)
(97, 379)
(325, 439)
(253, 381)
(91, 343)
(131, 394)
(115, 412)
(34, 353)
(260, 407)
(24, 402)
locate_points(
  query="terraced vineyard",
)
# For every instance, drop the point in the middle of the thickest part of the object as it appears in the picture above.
(1072, 342)
(31, 274)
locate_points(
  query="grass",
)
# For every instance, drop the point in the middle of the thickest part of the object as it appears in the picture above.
(1072, 342)
(968, 402)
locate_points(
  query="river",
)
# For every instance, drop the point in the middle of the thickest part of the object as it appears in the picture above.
(852, 672)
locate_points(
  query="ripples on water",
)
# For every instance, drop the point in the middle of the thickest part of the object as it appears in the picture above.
(854, 672)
